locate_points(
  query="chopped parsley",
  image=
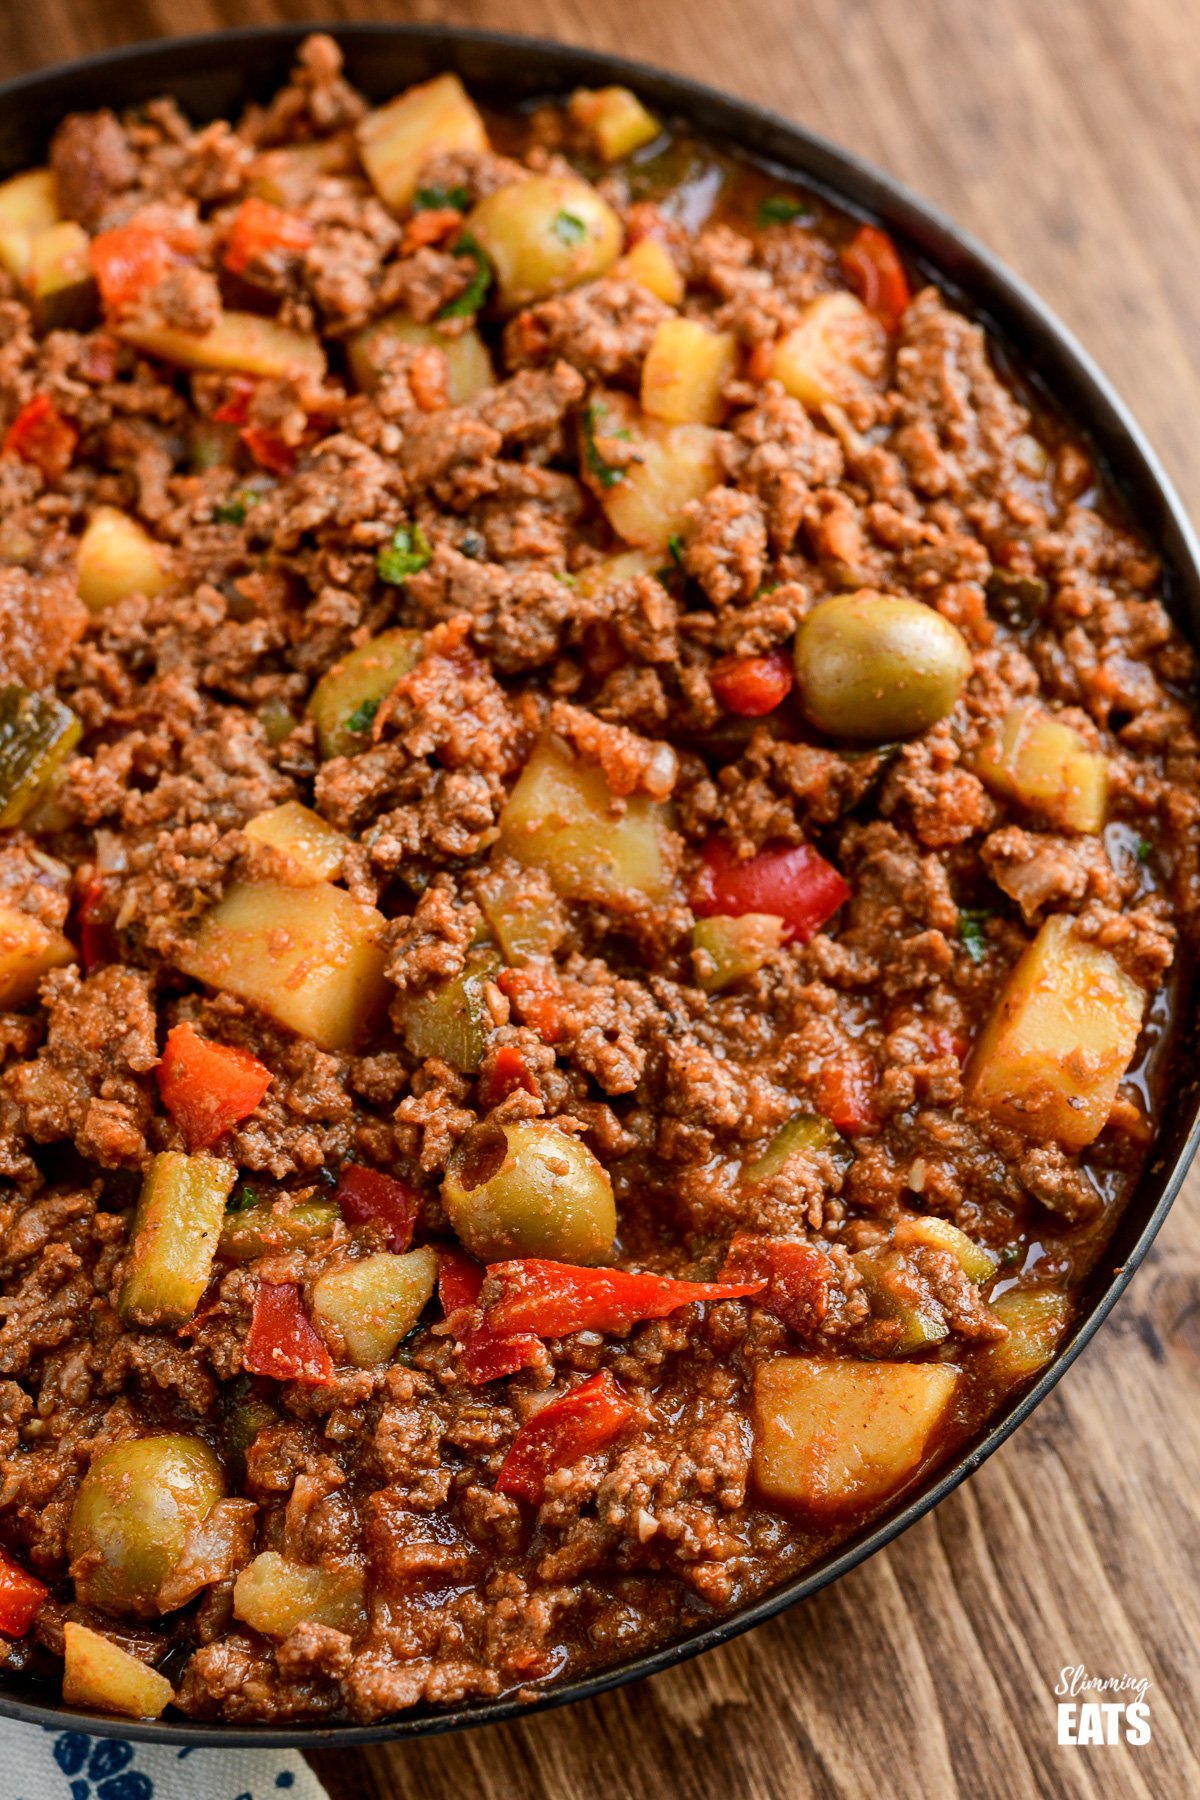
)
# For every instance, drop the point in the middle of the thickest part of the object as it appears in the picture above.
(568, 228)
(971, 922)
(408, 554)
(362, 718)
(606, 473)
(675, 546)
(436, 199)
(242, 1201)
(1141, 851)
(233, 511)
(474, 294)
(781, 209)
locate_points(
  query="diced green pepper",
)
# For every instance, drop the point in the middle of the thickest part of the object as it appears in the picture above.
(451, 1021)
(37, 734)
(266, 1230)
(977, 1263)
(345, 701)
(804, 1132)
(246, 1414)
(727, 949)
(176, 1231)
(1036, 1319)
(883, 1273)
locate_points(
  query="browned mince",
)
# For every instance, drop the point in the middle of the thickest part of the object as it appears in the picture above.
(929, 477)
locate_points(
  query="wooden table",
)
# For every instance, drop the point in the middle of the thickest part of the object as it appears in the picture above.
(1066, 135)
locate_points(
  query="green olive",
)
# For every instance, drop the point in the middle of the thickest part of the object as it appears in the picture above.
(132, 1515)
(872, 667)
(528, 1189)
(545, 234)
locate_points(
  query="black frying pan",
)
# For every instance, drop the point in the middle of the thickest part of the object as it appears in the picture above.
(212, 77)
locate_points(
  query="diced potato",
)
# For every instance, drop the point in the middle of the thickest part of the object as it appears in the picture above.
(37, 734)
(308, 956)
(685, 369)
(285, 175)
(28, 950)
(649, 263)
(59, 277)
(176, 1230)
(1043, 764)
(97, 1672)
(345, 700)
(468, 361)
(1062, 1035)
(833, 1436)
(375, 1302)
(544, 234)
(563, 817)
(669, 466)
(315, 850)
(397, 138)
(599, 577)
(274, 1595)
(978, 1264)
(240, 343)
(725, 950)
(28, 206)
(285, 1225)
(1037, 1319)
(888, 1285)
(451, 1020)
(805, 1132)
(118, 557)
(527, 928)
(837, 348)
(616, 120)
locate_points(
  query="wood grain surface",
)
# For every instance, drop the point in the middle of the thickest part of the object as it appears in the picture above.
(1066, 134)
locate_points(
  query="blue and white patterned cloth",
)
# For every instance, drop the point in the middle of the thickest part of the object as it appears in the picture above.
(71, 1765)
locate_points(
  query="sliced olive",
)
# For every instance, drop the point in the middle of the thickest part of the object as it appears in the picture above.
(871, 667)
(131, 1516)
(528, 1189)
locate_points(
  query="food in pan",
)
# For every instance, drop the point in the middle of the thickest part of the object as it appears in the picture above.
(598, 815)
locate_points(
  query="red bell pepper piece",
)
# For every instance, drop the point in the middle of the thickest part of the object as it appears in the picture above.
(20, 1597)
(366, 1195)
(127, 262)
(872, 266)
(798, 1278)
(487, 1355)
(260, 230)
(282, 1342)
(792, 881)
(460, 1278)
(582, 1420)
(208, 1088)
(552, 1299)
(269, 450)
(845, 1093)
(506, 1071)
(752, 686)
(40, 435)
(537, 999)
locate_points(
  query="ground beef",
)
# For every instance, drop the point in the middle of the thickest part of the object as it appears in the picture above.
(444, 777)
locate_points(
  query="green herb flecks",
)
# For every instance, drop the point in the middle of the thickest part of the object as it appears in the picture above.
(436, 199)
(606, 473)
(783, 209)
(475, 293)
(233, 511)
(971, 932)
(568, 228)
(363, 717)
(1141, 851)
(242, 1201)
(408, 553)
